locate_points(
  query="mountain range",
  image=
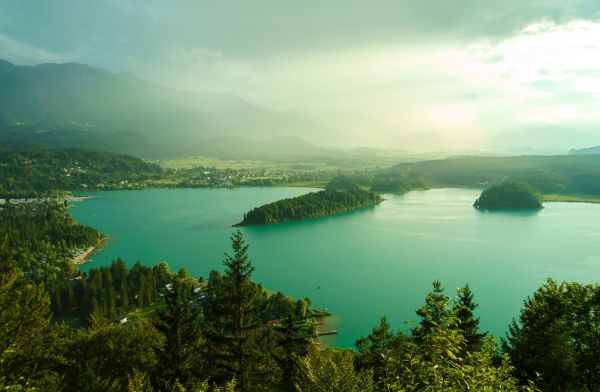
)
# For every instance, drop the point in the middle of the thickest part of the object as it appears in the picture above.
(76, 105)
(58, 105)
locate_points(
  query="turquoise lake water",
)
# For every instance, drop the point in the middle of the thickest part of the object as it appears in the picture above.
(363, 264)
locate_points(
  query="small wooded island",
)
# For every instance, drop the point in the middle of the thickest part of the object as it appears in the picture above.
(509, 195)
(311, 205)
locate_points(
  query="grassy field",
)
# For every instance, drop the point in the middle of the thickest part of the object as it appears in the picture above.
(167, 181)
(571, 199)
(305, 184)
(145, 312)
(191, 162)
(240, 164)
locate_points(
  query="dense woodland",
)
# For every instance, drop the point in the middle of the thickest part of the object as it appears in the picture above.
(40, 172)
(391, 185)
(566, 175)
(42, 238)
(311, 205)
(108, 292)
(37, 173)
(509, 195)
(377, 181)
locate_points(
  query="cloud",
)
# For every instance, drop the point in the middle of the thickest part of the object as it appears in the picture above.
(546, 73)
(23, 53)
(468, 69)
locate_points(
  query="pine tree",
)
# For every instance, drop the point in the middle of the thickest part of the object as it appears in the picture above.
(331, 370)
(178, 322)
(374, 351)
(294, 340)
(434, 312)
(95, 312)
(466, 322)
(26, 337)
(57, 306)
(123, 296)
(238, 347)
(110, 303)
(103, 356)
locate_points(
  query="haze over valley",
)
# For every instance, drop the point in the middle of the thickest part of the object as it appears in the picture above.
(284, 196)
(388, 75)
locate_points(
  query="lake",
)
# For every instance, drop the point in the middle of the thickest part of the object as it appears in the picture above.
(363, 264)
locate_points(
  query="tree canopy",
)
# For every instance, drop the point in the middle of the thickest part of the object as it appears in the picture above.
(40, 172)
(509, 195)
(311, 205)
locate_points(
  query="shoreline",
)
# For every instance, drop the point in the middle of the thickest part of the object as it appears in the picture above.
(75, 198)
(547, 198)
(557, 198)
(83, 257)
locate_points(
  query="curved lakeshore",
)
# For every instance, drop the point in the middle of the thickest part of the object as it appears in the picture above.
(82, 256)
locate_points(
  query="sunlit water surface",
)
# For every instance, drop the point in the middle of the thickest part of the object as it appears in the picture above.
(363, 264)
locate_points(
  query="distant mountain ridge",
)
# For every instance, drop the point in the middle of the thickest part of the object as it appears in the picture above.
(61, 105)
(585, 151)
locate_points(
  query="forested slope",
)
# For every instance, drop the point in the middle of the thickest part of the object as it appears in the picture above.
(39, 172)
(571, 175)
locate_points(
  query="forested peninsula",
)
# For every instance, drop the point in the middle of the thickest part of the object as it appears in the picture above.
(509, 195)
(311, 205)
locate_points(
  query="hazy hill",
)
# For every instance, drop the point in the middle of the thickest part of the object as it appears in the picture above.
(78, 105)
(36, 172)
(562, 174)
(585, 151)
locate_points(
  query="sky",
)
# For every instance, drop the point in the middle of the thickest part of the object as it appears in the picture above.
(454, 74)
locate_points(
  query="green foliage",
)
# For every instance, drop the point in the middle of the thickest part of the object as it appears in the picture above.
(438, 355)
(178, 322)
(27, 357)
(374, 351)
(390, 185)
(434, 313)
(138, 381)
(40, 172)
(114, 290)
(509, 195)
(42, 238)
(567, 175)
(342, 183)
(332, 370)
(237, 347)
(435, 364)
(309, 206)
(466, 321)
(104, 356)
(294, 340)
(205, 387)
(558, 336)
